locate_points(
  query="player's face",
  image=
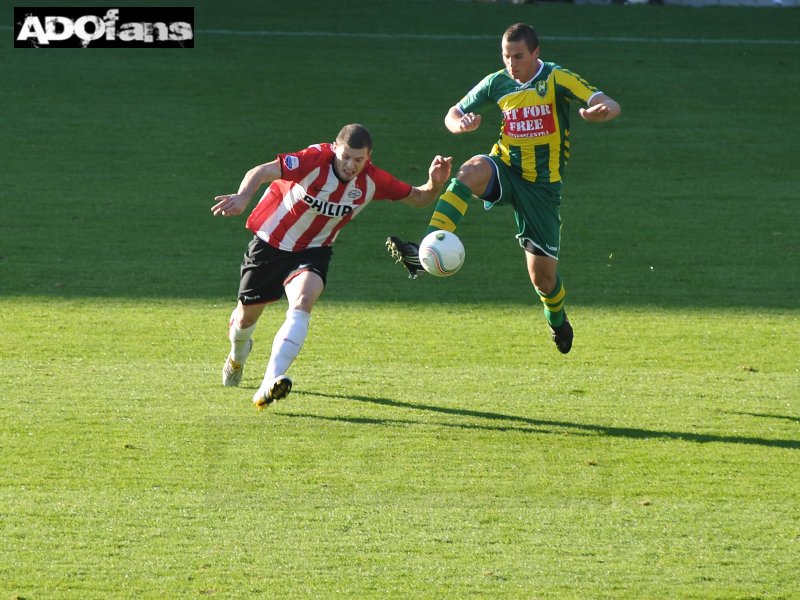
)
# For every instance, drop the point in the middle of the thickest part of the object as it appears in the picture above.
(520, 62)
(349, 162)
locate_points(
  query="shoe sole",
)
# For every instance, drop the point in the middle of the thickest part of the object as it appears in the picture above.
(412, 265)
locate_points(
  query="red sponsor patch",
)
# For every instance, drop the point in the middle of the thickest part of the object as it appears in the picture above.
(529, 121)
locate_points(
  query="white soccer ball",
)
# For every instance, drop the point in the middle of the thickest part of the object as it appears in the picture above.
(441, 253)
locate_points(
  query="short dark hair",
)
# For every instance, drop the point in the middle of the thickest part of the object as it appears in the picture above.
(356, 136)
(522, 32)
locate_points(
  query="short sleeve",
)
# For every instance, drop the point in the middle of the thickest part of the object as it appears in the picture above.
(477, 96)
(387, 186)
(296, 165)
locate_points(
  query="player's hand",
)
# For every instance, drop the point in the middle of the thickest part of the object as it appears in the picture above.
(598, 112)
(603, 109)
(469, 122)
(229, 205)
(439, 171)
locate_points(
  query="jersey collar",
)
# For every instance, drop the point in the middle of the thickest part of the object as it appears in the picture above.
(535, 75)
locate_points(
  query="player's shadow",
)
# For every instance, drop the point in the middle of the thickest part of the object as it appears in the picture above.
(767, 416)
(528, 425)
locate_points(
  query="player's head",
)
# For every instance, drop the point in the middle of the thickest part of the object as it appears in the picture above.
(353, 148)
(522, 32)
(521, 51)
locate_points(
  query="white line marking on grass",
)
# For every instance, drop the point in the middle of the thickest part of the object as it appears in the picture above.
(476, 37)
(480, 37)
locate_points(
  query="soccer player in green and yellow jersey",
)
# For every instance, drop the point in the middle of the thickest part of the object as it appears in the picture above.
(525, 167)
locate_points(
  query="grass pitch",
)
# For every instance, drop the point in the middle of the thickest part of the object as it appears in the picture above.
(436, 444)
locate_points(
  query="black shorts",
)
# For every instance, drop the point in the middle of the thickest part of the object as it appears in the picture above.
(266, 270)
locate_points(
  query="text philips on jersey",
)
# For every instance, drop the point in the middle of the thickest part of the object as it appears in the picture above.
(78, 27)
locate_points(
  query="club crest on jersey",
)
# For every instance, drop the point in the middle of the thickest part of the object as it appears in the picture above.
(354, 194)
(541, 88)
(291, 162)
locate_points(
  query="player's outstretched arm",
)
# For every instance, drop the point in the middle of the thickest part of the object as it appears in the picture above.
(438, 174)
(601, 108)
(230, 205)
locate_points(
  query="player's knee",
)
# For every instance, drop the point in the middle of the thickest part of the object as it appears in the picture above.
(544, 283)
(475, 173)
(303, 302)
(245, 322)
(245, 317)
(304, 290)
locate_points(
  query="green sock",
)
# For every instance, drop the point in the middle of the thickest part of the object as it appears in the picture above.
(554, 303)
(451, 206)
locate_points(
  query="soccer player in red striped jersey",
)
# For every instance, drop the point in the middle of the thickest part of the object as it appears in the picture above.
(525, 167)
(312, 194)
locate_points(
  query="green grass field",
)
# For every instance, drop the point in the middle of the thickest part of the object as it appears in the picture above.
(436, 444)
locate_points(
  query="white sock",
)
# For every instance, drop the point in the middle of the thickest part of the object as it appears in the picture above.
(240, 340)
(287, 343)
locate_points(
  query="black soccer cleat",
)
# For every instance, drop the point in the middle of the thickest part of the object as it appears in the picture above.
(406, 253)
(562, 336)
(278, 388)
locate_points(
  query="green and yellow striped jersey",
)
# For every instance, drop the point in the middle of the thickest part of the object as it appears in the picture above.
(534, 132)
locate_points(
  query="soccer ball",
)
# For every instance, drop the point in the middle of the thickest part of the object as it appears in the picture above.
(441, 253)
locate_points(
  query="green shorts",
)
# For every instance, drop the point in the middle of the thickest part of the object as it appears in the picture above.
(537, 209)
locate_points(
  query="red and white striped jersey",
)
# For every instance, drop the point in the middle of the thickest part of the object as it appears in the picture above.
(309, 204)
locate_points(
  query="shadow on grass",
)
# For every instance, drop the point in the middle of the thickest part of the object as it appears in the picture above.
(529, 425)
(768, 416)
